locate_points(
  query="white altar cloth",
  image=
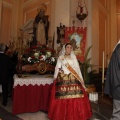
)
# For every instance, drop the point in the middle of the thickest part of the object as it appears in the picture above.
(33, 79)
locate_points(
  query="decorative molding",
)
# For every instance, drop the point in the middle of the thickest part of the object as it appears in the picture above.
(31, 2)
(105, 11)
(105, 3)
(7, 4)
(35, 8)
(29, 12)
(27, 25)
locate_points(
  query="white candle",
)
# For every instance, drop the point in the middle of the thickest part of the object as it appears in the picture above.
(93, 96)
(96, 96)
(103, 68)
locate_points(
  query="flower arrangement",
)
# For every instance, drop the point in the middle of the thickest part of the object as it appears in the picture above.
(38, 53)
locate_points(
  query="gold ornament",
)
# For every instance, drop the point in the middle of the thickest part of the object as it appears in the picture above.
(42, 7)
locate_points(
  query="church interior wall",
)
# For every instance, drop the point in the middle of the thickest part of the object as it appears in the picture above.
(6, 20)
(118, 19)
(25, 1)
(102, 34)
(103, 22)
(95, 34)
(103, 26)
(113, 27)
(103, 2)
(8, 1)
(61, 16)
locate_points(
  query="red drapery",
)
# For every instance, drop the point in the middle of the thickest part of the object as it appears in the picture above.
(77, 35)
(31, 98)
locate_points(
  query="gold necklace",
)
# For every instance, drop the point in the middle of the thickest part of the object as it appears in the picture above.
(67, 54)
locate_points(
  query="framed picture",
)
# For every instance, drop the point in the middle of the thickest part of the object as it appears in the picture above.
(77, 37)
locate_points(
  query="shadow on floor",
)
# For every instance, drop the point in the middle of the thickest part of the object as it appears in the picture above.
(102, 108)
(5, 115)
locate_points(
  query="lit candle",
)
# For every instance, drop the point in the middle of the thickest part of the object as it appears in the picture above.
(103, 68)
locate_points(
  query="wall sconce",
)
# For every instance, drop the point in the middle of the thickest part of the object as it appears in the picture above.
(82, 11)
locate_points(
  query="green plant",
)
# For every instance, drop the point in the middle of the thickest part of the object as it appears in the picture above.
(86, 68)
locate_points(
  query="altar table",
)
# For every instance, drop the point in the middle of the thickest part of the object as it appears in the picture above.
(31, 93)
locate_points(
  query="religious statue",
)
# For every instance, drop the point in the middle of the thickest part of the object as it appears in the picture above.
(40, 26)
(61, 34)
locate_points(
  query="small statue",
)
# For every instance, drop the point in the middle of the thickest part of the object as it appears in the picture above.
(60, 33)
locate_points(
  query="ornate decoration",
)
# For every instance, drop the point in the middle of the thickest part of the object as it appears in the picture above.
(82, 11)
(42, 7)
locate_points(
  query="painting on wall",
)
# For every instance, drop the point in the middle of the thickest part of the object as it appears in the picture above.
(77, 37)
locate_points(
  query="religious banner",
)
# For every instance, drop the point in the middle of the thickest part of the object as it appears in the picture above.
(77, 37)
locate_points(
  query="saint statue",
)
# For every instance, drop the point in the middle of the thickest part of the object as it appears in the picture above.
(40, 26)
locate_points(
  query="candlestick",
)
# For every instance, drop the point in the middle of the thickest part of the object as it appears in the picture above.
(103, 68)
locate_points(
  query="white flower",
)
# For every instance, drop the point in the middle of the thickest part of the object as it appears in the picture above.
(29, 59)
(89, 70)
(52, 59)
(36, 54)
(48, 54)
(43, 57)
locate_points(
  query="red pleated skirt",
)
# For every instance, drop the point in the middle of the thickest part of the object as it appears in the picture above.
(69, 109)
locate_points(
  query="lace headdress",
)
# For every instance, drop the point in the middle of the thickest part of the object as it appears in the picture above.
(62, 52)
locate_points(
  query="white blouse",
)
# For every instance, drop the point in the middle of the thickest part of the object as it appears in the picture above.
(72, 62)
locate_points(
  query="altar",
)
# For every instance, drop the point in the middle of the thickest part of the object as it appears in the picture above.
(31, 93)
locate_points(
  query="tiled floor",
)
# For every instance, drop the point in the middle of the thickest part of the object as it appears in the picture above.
(102, 110)
(103, 107)
(5, 115)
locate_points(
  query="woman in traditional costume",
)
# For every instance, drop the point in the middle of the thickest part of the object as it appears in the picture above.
(69, 100)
